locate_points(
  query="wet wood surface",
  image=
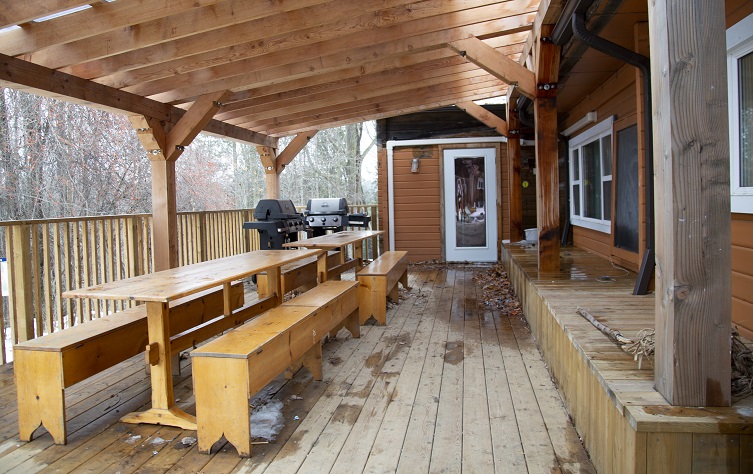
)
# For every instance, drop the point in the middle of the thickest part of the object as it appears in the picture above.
(446, 384)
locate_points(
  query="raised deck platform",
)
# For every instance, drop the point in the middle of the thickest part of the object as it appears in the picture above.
(625, 424)
(447, 386)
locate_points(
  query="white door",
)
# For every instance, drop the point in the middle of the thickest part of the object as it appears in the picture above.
(470, 203)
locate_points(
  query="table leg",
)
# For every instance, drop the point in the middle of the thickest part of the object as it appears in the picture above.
(163, 411)
(274, 283)
(358, 254)
(321, 266)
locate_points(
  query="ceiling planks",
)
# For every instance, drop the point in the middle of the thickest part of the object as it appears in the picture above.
(281, 68)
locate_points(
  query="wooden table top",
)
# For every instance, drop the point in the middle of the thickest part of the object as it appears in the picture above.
(169, 285)
(338, 239)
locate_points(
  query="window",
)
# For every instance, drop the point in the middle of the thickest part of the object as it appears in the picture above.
(740, 89)
(591, 177)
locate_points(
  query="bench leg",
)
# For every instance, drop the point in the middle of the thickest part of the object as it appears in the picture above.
(404, 280)
(353, 324)
(222, 407)
(394, 294)
(41, 397)
(312, 360)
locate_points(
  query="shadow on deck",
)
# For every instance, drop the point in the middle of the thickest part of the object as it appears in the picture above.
(625, 424)
(447, 385)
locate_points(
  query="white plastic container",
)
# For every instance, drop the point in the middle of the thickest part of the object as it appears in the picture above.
(532, 235)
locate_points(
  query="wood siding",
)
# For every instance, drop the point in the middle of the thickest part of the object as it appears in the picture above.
(417, 196)
(742, 273)
(742, 226)
(617, 96)
(736, 10)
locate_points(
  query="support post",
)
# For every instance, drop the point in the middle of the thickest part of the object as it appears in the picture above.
(547, 154)
(693, 228)
(515, 186)
(164, 215)
(268, 157)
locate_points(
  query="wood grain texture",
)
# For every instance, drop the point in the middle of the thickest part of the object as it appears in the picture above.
(515, 198)
(547, 159)
(692, 203)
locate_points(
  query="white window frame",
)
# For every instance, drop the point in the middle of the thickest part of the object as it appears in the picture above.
(597, 132)
(739, 44)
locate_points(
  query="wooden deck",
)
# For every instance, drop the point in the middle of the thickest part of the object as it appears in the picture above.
(625, 424)
(446, 386)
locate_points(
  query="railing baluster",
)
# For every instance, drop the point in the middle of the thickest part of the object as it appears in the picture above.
(36, 289)
(47, 281)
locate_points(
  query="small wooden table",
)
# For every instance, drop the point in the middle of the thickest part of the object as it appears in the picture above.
(335, 240)
(159, 288)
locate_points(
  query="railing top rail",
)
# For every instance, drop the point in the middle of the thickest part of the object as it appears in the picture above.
(60, 220)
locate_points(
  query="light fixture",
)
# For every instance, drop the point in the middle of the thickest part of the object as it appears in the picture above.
(589, 118)
(414, 165)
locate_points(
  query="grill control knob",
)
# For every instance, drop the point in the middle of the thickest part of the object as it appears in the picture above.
(324, 219)
(335, 219)
(311, 219)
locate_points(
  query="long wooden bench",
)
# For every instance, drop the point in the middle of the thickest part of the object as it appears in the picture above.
(303, 273)
(379, 280)
(229, 370)
(44, 367)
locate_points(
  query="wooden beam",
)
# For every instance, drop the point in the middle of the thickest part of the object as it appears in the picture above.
(316, 20)
(547, 153)
(508, 44)
(15, 12)
(103, 17)
(498, 65)
(192, 122)
(165, 29)
(548, 14)
(294, 147)
(515, 187)
(321, 101)
(481, 87)
(484, 116)
(43, 81)
(693, 229)
(271, 68)
(400, 107)
(268, 157)
(151, 134)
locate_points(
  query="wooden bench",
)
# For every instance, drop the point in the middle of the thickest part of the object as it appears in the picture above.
(379, 280)
(45, 366)
(229, 370)
(303, 273)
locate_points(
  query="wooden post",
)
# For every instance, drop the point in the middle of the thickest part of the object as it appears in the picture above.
(513, 162)
(268, 157)
(547, 156)
(20, 267)
(164, 215)
(693, 228)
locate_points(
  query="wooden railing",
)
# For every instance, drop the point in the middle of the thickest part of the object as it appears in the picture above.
(44, 258)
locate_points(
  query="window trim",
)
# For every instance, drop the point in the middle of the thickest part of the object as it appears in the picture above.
(739, 44)
(597, 132)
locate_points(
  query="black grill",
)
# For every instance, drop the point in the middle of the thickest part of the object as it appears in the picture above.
(277, 222)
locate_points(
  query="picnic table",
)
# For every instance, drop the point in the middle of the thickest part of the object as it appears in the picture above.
(337, 240)
(158, 289)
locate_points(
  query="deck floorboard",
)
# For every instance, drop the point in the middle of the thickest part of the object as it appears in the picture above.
(447, 385)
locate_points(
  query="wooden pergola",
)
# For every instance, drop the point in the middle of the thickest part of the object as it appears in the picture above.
(255, 71)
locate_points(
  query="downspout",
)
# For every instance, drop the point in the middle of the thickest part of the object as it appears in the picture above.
(643, 64)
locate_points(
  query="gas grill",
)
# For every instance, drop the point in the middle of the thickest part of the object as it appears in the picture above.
(277, 222)
(324, 214)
